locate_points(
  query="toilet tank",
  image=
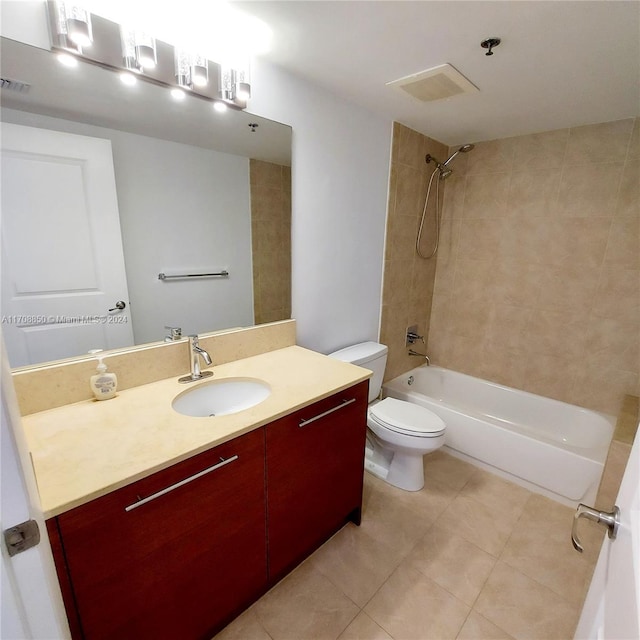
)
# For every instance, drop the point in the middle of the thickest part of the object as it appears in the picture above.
(369, 355)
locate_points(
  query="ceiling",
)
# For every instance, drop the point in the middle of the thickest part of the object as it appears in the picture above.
(560, 64)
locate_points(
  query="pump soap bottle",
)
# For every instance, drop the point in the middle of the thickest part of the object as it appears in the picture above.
(103, 384)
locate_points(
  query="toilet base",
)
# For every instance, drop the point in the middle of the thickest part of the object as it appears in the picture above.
(400, 469)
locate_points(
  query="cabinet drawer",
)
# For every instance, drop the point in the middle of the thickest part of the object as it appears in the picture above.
(315, 466)
(175, 554)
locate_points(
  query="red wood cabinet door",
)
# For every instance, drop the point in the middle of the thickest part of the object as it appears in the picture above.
(314, 475)
(183, 563)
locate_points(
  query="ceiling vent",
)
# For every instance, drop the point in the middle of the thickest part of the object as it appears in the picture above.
(437, 83)
(14, 85)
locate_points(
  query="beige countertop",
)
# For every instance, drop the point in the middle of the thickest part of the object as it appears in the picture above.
(85, 450)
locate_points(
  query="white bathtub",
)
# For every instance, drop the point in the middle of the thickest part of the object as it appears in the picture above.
(548, 446)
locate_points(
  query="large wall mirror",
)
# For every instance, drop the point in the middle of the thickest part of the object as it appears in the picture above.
(194, 192)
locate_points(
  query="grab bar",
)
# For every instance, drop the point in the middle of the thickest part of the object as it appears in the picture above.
(221, 274)
(163, 492)
(304, 423)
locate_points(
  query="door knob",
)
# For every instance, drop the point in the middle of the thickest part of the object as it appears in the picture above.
(609, 520)
(120, 305)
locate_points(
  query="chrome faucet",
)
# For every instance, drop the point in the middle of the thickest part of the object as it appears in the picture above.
(195, 353)
(422, 355)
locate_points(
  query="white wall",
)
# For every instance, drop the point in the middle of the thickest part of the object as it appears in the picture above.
(183, 209)
(340, 177)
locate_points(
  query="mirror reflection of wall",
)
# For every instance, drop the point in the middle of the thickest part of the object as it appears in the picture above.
(183, 209)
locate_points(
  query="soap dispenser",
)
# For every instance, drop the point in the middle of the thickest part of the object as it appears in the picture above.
(103, 384)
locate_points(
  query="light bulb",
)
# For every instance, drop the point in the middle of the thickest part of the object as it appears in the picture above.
(220, 107)
(177, 94)
(128, 78)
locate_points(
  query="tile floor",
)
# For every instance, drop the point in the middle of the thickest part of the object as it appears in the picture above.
(470, 556)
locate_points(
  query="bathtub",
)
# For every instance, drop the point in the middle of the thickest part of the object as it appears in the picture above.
(550, 447)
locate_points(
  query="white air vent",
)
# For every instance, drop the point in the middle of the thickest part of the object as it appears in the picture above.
(435, 84)
(14, 85)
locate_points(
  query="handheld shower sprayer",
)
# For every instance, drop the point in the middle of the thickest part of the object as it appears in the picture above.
(443, 172)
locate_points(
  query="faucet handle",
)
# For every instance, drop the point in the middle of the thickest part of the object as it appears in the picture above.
(413, 337)
(175, 333)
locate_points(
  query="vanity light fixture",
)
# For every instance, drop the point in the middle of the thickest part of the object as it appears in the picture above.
(234, 83)
(191, 69)
(72, 25)
(243, 91)
(145, 49)
(142, 56)
(138, 49)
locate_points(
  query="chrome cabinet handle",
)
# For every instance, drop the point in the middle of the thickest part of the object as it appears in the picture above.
(163, 492)
(304, 423)
(610, 520)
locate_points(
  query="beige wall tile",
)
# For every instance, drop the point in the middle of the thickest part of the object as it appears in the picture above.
(562, 334)
(409, 191)
(539, 254)
(603, 142)
(271, 240)
(623, 247)
(615, 342)
(492, 156)
(481, 239)
(410, 150)
(486, 195)
(615, 466)
(589, 190)
(533, 193)
(498, 362)
(601, 387)
(634, 144)
(526, 240)
(577, 241)
(618, 295)
(628, 201)
(544, 150)
(409, 280)
(571, 288)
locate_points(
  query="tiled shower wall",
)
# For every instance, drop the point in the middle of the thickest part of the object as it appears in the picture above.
(408, 279)
(271, 240)
(538, 273)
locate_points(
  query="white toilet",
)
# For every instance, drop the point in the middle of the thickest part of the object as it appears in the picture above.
(400, 432)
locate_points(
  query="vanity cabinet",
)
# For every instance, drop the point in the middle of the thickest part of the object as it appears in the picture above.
(174, 555)
(315, 468)
(179, 554)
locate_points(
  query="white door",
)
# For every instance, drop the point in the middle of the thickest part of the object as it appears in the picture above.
(31, 604)
(612, 608)
(62, 261)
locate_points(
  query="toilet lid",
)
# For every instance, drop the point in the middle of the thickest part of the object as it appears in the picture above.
(406, 417)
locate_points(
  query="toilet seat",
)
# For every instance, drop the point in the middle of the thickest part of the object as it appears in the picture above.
(406, 418)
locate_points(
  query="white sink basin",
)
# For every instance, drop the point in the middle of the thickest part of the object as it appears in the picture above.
(221, 397)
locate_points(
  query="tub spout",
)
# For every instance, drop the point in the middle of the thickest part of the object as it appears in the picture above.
(422, 355)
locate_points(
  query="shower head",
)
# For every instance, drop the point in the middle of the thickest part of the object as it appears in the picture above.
(445, 173)
(465, 148)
